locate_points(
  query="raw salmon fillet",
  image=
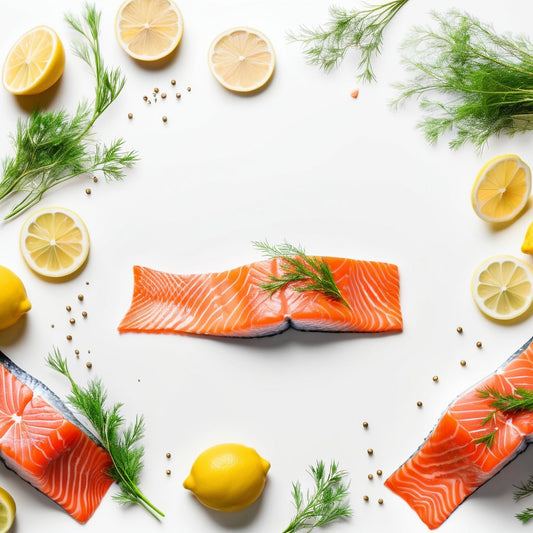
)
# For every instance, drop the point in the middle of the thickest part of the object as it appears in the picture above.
(231, 303)
(450, 465)
(46, 446)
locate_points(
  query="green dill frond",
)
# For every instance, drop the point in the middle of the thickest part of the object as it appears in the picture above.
(468, 80)
(299, 268)
(121, 443)
(325, 504)
(326, 46)
(487, 439)
(526, 515)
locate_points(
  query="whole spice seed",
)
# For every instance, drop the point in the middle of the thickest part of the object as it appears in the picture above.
(80, 297)
(168, 455)
(156, 90)
(95, 179)
(173, 82)
(84, 314)
(370, 476)
(459, 329)
(164, 118)
(130, 115)
(52, 326)
(370, 451)
(145, 98)
(72, 321)
(188, 89)
(479, 344)
(365, 424)
(168, 472)
(463, 363)
(163, 95)
(379, 472)
(88, 364)
(366, 498)
(87, 191)
(380, 501)
(435, 378)
(68, 308)
(69, 337)
(419, 403)
(77, 352)
(178, 95)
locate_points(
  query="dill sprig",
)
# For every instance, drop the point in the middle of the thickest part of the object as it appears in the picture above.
(121, 444)
(468, 80)
(299, 267)
(326, 46)
(51, 147)
(325, 504)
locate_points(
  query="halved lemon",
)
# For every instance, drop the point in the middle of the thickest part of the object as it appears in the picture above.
(242, 59)
(501, 189)
(149, 30)
(54, 242)
(502, 287)
(34, 63)
(7, 510)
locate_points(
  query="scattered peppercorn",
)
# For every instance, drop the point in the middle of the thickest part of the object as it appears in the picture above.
(366, 498)
(69, 337)
(380, 501)
(87, 191)
(188, 89)
(435, 378)
(168, 472)
(68, 308)
(479, 344)
(419, 403)
(80, 297)
(168, 455)
(173, 82)
(365, 424)
(95, 179)
(370, 451)
(370, 476)
(379, 472)
(156, 90)
(72, 320)
(130, 115)
(145, 98)
(463, 363)
(88, 364)
(178, 95)
(163, 95)
(84, 314)
(77, 352)
(164, 118)
(52, 326)
(459, 329)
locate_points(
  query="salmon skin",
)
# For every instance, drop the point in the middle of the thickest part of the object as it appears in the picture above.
(451, 463)
(46, 446)
(231, 303)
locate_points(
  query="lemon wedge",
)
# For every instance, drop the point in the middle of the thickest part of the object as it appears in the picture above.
(54, 242)
(527, 245)
(242, 59)
(228, 477)
(149, 30)
(7, 510)
(501, 189)
(502, 287)
(34, 63)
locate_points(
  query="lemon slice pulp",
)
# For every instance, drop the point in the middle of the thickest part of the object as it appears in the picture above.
(501, 189)
(149, 30)
(502, 287)
(54, 242)
(242, 59)
(34, 63)
(7, 510)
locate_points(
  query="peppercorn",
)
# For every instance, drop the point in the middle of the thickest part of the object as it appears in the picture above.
(80, 297)
(419, 403)
(178, 95)
(87, 191)
(379, 472)
(164, 118)
(380, 501)
(435, 378)
(459, 329)
(130, 115)
(370, 451)
(370, 476)
(168, 472)
(84, 314)
(188, 89)
(478, 344)
(88, 364)
(173, 82)
(168, 455)
(68, 308)
(163, 95)
(463, 363)
(365, 424)
(69, 337)
(72, 321)
(156, 90)
(366, 498)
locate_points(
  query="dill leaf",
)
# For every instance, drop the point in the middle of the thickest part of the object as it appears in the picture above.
(326, 46)
(326, 504)
(468, 80)
(121, 443)
(298, 268)
(51, 147)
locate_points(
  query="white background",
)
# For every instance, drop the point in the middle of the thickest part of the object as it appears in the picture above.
(301, 161)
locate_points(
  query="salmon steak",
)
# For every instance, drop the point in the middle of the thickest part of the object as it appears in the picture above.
(46, 446)
(232, 303)
(471, 442)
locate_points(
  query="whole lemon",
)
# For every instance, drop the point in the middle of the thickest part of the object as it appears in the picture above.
(228, 477)
(13, 300)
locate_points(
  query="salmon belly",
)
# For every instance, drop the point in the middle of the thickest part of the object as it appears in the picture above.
(42, 443)
(231, 303)
(452, 462)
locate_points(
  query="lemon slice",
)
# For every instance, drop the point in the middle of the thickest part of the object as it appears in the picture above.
(54, 242)
(7, 510)
(501, 189)
(148, 30)
(242, 59)
(527, 245)
(34, 63)
(502, 287)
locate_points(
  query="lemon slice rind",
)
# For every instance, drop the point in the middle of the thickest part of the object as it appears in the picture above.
(492, 198)
(48, 72)
(54, 242)
(8, 510)
(130, 35)
(231, 65)
(502, 287)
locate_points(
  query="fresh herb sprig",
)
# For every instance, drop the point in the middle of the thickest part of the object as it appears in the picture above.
(468, 80)
(520, 401)
(363, 29)
(299, 268)
(121, 444)
(325, 504)
(51, 147)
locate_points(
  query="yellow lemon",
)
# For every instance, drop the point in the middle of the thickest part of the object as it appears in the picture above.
(242, 59)
(228, 477)
(502, 287)
(54, 242)
(527, 245)
(34, 63)
(13, 299)
(501, 189)
(7, 510)
(148, 30)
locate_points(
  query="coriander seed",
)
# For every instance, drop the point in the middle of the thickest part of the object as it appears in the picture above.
(88, 364)
(87, 191)
(365, 498)
(145, 98)
(188, 89)
(379, 472)
(95, 179)
(77, 352)
(380, 501)
(172, 82)
(479, 344)
(84, 314)
(69, 337)
(459, 329)
(370, 451)
(463, 363)
(178, 95)
(163, 95)
(72, 320)
(168, 472)
(365, 424)
(435, 378)
(156, 90)
(80, 297)
(164, 118)
(419, 403)
(130, 115)
(68, 308)
(370, 476)
(168, 455)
